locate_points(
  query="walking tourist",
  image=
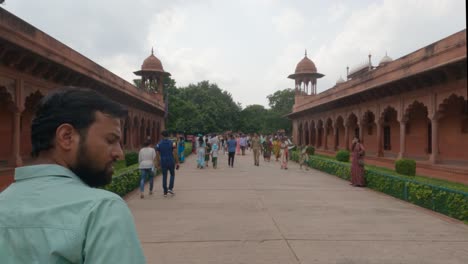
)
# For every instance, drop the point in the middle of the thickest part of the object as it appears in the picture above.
(231, 146)
(207, 152)
(357, 164)
(276, 148)
(256, 147)
(214, 155)
(267, 147)
(243, 144)
(238, 144)
(146, 159)
(201, 153)
(168, 161)
(304, 158)
(284, 153)
(53, 213)
(181, 149)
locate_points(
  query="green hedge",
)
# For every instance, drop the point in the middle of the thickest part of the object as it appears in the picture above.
(125, 182)
(310, 150)
(342, 155)
(406, 167)
(450, 202)
(131, 158)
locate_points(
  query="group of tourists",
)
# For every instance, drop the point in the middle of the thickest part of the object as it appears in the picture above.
(164, 157)
(210, 146)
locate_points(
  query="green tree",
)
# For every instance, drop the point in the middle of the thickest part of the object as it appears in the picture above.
(252, 119)
(281, 103)
(201, 107)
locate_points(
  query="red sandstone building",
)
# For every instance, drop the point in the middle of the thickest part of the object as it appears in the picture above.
(414, 107)
(33, 63)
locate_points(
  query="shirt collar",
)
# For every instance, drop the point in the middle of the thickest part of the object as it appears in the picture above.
(43, 170)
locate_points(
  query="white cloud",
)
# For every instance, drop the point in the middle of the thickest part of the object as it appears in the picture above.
(289, 21)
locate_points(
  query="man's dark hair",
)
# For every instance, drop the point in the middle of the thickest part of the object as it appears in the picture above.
(69, 105)
(165, 133)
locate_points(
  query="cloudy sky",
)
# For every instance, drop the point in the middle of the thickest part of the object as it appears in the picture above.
(247, 47)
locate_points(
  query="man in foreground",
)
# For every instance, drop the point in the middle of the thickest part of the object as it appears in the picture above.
(53, 213)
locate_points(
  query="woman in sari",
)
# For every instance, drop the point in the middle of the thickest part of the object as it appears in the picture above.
(284, 153)
(181, 149)
(201, 153)
(238, 145)
(276, 148)
(267, 147)
(357, 165)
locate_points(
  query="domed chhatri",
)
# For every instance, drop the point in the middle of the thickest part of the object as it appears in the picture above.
(152, 64)
(385, 60)
(305, 66)
(340, 80)
(306, 76)
(152, 74)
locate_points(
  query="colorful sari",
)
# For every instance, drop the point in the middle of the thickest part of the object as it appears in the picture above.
(357, 170)
(276, 149)
(201, 156)
(180, 150)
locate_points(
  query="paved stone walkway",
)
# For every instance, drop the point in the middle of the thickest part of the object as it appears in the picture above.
(250, 214)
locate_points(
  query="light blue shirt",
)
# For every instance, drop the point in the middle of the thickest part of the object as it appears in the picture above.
(50, 216)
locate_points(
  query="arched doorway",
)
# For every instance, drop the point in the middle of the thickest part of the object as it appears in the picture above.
(453, 130)
(391, 132)
(340, 133)
(369, 133)
(418, 132)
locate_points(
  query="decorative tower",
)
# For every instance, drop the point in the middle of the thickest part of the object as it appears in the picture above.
(152, 74)
(305, 77)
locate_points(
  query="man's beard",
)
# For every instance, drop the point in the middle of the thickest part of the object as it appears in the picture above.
(89, 174)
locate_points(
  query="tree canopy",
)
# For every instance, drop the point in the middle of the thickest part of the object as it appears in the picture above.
(204, 107)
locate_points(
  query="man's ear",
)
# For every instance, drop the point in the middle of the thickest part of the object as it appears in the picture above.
(66, 137)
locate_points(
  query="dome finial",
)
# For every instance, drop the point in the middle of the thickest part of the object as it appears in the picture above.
(305, 53)
(152, 52)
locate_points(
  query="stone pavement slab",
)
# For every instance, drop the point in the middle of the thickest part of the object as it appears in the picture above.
(250, 214)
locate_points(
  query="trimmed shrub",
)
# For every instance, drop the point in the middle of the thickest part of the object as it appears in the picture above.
(131, 158)
(405, 167)
(310, 150)
(342, 155)
(124, 183)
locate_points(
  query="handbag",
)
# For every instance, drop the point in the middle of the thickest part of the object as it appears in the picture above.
(361, 162)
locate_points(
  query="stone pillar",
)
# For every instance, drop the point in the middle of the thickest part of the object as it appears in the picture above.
(361, 126)
(346, 137)
(434, 140)
(316, 141)
(335, 139)
(401, 154)
(325, 137)
(160, 85)
(379, 124)
(16, 159)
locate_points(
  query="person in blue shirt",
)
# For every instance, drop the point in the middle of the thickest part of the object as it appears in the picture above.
(53, 213)
(167, 161)
(231, 145)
